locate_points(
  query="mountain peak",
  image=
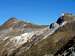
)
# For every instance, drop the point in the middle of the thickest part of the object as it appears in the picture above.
(12, 18)
(10, 22)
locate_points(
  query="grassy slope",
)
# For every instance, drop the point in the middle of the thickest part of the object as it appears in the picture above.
(53, 43)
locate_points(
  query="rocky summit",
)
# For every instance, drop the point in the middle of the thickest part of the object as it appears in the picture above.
(19, 38)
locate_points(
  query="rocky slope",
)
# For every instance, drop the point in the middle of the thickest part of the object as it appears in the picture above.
(26, 39)
(14, 33)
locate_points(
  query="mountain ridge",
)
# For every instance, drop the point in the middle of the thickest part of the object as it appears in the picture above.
(40, 42)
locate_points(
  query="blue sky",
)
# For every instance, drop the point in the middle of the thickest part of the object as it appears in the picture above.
(35, 11)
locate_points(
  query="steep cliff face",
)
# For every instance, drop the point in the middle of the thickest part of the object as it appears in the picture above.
(41, 41)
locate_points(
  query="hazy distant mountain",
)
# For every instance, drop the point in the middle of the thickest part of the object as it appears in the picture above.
(16, 25)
